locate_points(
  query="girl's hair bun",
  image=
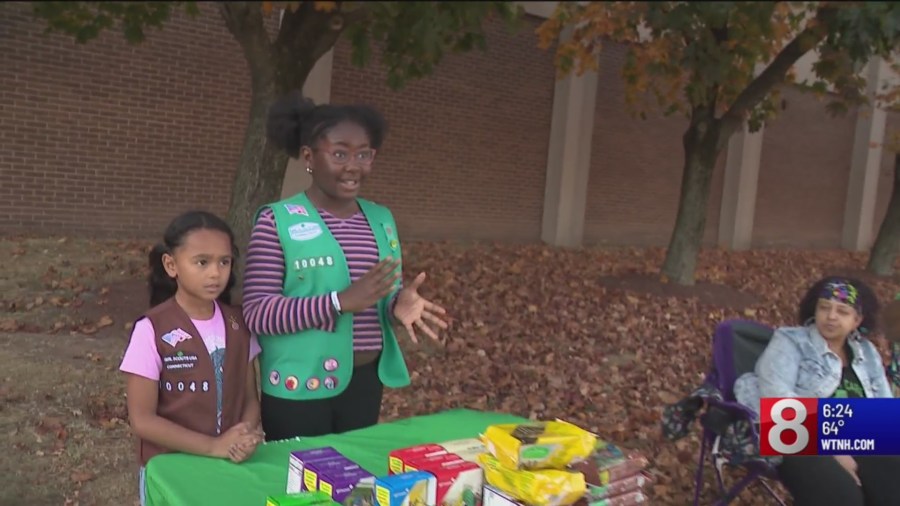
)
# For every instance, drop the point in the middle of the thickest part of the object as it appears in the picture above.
(286, 119)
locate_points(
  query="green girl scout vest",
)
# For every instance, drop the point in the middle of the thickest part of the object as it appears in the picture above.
(315, 364)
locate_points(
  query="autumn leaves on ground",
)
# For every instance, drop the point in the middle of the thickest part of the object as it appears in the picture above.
(588, 335)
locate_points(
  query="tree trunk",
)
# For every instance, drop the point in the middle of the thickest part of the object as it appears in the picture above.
(275, 68)
(259, 175)
(887, 243)
(701, 147)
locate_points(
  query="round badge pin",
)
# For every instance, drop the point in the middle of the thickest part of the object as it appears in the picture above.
(312, 383)
(330, 383)
(330, 364)
(393, 243)
(291, 383)
(274, 377)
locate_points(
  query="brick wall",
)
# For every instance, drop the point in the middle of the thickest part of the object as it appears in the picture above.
(803, 175)
(108, 138)
(636, 167)
(113, 139)
(465, 157)
(886, 176)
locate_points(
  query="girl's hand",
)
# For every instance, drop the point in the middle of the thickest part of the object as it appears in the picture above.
(412, 310)
(375, 284)
(222, 445)
(244, 450)
(849, 465)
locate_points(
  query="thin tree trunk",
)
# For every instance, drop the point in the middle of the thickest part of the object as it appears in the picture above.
(258, 179)
(701, 147)
(260, 171)
(275, 68)
(887, 243)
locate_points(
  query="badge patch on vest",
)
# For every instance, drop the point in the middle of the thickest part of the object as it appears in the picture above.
(174, 337)
(291, 383)
(274, 378)
(330, 364)
(305, 231)
(179, 361)
(312, 384)
(392, 239)
(296, 209)
(330, 383)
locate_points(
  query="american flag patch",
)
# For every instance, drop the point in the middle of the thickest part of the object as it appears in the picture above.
(296, 209)
(174, 337)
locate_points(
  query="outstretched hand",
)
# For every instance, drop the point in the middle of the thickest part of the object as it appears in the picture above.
(414, 311)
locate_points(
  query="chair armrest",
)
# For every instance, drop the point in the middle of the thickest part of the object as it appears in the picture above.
(719, 414)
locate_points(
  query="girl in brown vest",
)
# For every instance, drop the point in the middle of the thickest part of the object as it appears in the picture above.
(191, 385)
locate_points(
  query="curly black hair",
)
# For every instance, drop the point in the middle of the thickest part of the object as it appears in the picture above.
(868, 305)
(295, 121)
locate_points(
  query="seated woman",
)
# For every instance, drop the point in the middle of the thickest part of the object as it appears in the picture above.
(828, 356)
(892, 333)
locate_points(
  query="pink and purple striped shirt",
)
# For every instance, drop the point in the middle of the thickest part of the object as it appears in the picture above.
(269, 312)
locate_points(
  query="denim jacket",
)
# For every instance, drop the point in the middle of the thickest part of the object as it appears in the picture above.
(798, 363)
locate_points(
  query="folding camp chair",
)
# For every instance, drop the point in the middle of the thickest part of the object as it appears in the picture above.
(730, 436)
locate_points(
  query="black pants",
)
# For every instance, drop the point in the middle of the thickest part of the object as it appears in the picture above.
(357, 407)
(821, 481)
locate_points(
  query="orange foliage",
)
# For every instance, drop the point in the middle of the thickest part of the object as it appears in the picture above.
(661, 66)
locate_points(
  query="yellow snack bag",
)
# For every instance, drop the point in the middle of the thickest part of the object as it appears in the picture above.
(538, 445)
(549, 487)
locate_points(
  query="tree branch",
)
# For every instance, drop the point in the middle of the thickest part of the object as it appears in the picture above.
(774, 74)
(245, 22)
(306, 35)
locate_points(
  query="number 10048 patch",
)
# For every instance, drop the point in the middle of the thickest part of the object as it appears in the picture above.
(182, 386)
(306, 263)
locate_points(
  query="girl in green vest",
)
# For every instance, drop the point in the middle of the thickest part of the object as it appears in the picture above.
(322, 286)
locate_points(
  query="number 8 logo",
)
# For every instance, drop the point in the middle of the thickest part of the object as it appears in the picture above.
(781, 426)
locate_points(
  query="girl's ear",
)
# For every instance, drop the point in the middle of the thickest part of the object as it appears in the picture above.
(168, 262)
(306, 156)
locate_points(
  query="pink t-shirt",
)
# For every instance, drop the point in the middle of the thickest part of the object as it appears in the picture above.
(142, 357)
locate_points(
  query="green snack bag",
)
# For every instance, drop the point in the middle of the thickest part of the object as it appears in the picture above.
(302, 499)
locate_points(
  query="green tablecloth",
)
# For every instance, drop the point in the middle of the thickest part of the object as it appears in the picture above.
(188, 480)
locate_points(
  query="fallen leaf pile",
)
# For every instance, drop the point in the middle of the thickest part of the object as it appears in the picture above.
(62, 285)
(591, 336)
(540, 333)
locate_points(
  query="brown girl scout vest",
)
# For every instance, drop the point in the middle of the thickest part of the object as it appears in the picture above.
(187, 382)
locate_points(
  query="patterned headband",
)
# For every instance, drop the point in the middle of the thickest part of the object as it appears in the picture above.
(841, 291)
